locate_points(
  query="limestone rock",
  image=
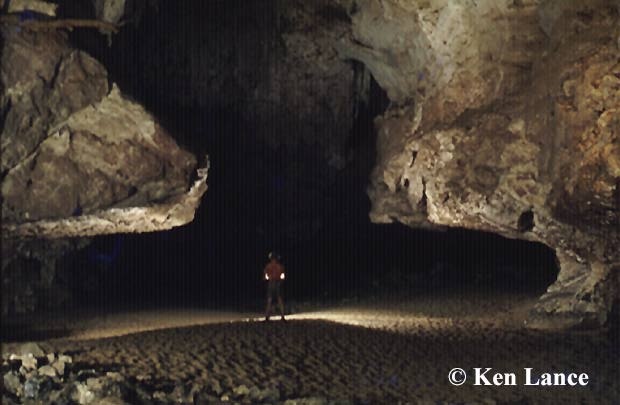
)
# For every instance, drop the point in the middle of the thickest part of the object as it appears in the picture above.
(12, 383)
(29, 362)
(38, 6)
(116, 145)
(447, 56)
(48, 371)
(496, 127)
(169, 213)
(109, 10)
(73, 149)
(44, 81)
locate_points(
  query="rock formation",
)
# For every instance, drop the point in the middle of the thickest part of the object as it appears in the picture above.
(78, 159)
(71, 146)
(505, 118)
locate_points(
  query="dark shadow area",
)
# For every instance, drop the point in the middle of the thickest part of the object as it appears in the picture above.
(11, 332)
(193, 265)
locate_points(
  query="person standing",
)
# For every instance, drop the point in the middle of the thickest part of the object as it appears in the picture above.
(274, 274)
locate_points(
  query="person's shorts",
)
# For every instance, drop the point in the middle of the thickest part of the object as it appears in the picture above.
(274, 288)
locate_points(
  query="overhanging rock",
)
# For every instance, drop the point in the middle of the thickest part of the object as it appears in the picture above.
(504, 119)
(175, 211)
(78, 157)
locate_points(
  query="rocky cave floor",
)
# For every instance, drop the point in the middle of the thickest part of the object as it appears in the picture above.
(375, 350)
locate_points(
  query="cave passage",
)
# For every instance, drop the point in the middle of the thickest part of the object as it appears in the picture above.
(331, 249)
(181, 267)
(197, 67)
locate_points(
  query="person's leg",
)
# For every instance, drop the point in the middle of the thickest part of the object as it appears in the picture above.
(270, 293)
(280, 302)
(268, 309)
(281, 306)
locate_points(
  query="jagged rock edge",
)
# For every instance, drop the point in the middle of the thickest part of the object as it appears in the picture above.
(173, 212)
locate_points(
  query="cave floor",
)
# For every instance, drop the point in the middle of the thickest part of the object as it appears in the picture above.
(376, 350)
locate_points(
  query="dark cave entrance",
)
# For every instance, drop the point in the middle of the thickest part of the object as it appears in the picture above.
(265, 194)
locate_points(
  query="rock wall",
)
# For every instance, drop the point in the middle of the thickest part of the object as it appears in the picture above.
(77, 159)
(70, 145)
(504, 119)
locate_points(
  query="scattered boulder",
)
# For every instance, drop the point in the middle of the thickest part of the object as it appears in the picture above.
(29, 362)
(12, 383)
(31, 388)
(59, 380)
(82, 395)
(241, 391)
(48, 371)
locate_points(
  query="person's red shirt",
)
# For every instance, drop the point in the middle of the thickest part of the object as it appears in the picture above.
(274, 270)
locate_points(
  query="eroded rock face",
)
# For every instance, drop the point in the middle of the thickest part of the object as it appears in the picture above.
(70, 145)
(498, 127)
(77, 159)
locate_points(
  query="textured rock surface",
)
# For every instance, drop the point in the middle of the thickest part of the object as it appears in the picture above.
(70, 147)
(171, 212)
(447, 56)
(497, 127)
(42, 7)
(77, 158)
(109, 10)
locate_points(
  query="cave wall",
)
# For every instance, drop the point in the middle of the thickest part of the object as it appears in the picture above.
(504, 119)
(71, 144)
(78, 158)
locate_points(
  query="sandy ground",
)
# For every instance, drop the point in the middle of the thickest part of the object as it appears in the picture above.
(374, 351)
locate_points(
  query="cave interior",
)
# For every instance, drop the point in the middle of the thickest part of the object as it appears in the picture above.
(192, 65)
(428, 162)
